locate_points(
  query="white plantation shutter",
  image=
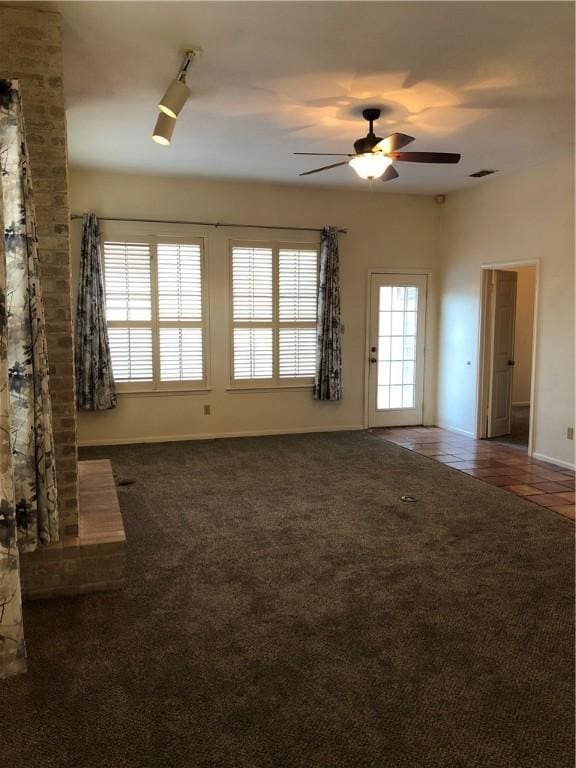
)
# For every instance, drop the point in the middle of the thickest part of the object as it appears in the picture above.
(179, 282)
(274, 296)
(127, 275)
(180, 312)
(252, 283)
(252, 305)
(155, 313)
(253, 353)
(297, 277)
(181, 357)
(131, 353)
(129, 310)
(297, 356)
(297, 289)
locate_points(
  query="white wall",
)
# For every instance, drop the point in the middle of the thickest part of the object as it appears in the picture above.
(384, 230)
(523, 331)
(525, 216)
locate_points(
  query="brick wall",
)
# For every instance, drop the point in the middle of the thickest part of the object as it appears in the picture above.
(31, 51)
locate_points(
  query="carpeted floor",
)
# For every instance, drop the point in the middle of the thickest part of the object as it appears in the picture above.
(285, 610)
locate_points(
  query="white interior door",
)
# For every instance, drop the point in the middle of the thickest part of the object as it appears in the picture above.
(396, 349)
(503, 307)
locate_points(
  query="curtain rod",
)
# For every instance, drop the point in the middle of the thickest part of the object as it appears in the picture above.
(211, 224)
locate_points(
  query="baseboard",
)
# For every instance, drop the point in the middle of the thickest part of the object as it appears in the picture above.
(216, 436)
(520, 404)
(559, 462)
(457, 430)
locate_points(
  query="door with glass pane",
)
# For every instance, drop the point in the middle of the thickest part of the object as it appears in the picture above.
(396, 349)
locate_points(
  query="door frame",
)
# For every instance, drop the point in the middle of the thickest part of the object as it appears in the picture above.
(484, 346)
(430, 287)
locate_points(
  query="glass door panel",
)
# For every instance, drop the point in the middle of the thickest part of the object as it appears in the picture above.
(397, 349)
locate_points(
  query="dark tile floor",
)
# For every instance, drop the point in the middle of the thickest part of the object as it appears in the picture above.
(540, 482)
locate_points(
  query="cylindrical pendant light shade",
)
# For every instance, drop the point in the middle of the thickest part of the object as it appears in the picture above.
(174, 98)
(163, 129)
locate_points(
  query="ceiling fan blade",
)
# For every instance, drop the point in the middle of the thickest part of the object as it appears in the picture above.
(425, 157)
(394, 142)
(390, 173)
(324, 154)
(324, 168)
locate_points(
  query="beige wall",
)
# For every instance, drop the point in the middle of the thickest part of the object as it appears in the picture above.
(394, 231)
(525, 292)
(529, 215)
(31, 51)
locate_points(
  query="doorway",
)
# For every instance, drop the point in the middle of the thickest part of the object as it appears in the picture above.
(396, 349)
(506, 371)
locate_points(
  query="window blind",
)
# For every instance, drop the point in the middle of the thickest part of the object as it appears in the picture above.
(274, 295)
(252, 284)
(179, 282)
(131, 353)
(298, 280)
(127, 276)
(154, 304)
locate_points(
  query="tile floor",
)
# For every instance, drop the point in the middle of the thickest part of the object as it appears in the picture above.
(540, 482)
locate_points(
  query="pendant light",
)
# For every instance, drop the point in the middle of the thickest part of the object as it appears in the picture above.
(163, 129)
(172, 102)
(177, 94)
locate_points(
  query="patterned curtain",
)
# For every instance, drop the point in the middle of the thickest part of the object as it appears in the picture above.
(12, 652)
(95, 388)
(27, 470)
(328, 380)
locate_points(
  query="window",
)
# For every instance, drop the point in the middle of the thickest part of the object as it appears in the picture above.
(155, 312)
(274, 291)
(397, 323)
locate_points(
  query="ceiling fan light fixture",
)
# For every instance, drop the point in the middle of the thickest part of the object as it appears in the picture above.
(174, 99)
(370, 165)
(163, 129)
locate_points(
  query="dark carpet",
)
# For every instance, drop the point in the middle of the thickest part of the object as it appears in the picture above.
(285, 610)
(519, 429)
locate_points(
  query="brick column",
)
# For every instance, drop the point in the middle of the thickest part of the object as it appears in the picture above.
(31, 51)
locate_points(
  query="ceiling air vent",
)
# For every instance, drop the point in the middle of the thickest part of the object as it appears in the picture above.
(479, 174)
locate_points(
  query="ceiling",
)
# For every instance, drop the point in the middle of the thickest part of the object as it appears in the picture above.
(492, 80)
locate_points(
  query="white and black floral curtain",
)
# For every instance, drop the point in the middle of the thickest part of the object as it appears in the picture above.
(328, 379)
(95, 388)
(27, 470)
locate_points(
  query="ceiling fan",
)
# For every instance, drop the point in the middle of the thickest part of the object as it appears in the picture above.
(373, 156)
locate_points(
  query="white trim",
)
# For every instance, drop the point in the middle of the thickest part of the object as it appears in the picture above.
(482, 374)
(456, 430)
(559, 462)
(217, 435)
(179, 392)
(521, 404)
(236, 389)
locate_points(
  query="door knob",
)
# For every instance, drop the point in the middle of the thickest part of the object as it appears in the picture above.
(373, 360)
(511, 362)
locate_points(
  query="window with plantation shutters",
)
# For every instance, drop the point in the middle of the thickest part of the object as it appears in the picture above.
(155, 312)
(274, 295)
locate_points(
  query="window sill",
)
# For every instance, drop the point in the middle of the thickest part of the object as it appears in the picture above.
(268, 388)
(162, 392)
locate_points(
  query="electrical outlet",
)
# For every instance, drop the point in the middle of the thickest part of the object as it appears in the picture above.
(570, 433)
(206, 410)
